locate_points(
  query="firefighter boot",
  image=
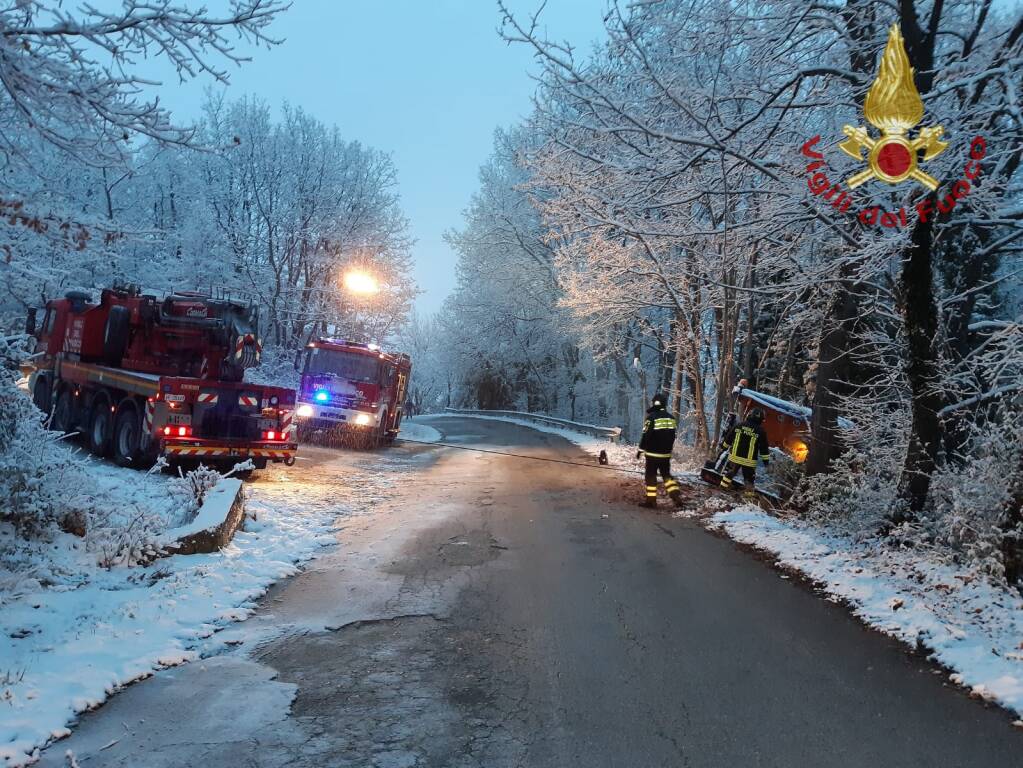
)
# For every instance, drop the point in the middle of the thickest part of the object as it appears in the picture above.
(650, 502)
(674, 491)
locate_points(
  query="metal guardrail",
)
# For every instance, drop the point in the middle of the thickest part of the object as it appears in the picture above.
(610, 433)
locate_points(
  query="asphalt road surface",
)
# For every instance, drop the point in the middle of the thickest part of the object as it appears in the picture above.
(500, 612)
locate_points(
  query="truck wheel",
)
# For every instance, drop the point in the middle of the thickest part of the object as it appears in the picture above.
(127, 436)
(115, 336)
(63, 416)
(42, 394)
(101, 423)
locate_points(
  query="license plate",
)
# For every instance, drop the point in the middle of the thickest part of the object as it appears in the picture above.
(267, 424)
(179, 419)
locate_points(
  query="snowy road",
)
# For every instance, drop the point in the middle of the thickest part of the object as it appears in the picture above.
(486, 612)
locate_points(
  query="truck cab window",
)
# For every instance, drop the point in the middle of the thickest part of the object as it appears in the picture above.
(347, 365)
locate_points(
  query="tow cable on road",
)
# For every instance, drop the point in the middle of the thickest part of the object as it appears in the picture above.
(762, 495)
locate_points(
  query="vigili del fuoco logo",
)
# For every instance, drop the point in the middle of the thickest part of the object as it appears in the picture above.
(893, 106)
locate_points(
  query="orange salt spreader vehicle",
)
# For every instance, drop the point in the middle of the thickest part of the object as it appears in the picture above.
(787, 426)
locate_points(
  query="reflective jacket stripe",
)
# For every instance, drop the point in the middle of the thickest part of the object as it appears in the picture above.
(742, 462)
(744, 447)
(658, 433)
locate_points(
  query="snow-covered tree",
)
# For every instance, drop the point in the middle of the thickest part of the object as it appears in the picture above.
(74, 111)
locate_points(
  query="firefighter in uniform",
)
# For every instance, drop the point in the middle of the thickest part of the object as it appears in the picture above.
(657, 441)
(744, 442)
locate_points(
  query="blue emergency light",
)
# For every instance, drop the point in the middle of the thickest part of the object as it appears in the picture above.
(321, 396)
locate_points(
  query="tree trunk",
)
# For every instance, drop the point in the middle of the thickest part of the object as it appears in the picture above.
(920, 320)
(833, 369)
(676, 371)
(1012, 547)
(748, 348)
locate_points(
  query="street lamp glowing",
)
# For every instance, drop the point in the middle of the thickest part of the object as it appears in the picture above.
(361, 282)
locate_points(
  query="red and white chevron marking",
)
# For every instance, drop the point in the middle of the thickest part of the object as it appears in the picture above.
(248, 338)
(150, 408)
(209, 450)
(248, 400)
(264, 453)
(287, 419)
(187, 450)
(208, 397)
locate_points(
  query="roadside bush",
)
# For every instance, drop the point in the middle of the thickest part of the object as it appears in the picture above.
(197, 483)
(117, 543)
(34, 471)
(856, 496)
(976, 506)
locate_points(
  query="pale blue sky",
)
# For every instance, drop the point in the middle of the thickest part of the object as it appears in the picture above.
(426, 80)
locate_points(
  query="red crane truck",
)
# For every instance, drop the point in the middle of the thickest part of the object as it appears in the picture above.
(353, 390)
(141, 378)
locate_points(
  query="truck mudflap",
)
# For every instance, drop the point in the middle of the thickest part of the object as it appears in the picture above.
(285, 453)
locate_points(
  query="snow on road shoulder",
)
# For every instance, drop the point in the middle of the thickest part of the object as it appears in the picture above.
(970, 625)
(420, 433)
(67, 646)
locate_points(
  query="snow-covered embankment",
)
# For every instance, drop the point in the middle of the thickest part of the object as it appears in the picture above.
(73, 632)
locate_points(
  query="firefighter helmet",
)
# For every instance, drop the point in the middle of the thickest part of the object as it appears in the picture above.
(756, 416)
(659, 400)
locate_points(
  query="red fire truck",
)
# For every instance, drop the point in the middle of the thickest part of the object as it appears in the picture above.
(141, 377)
(353, 390)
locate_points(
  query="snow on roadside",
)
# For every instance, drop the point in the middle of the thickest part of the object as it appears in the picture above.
(68, 644)
(969, 625)
(420, 433)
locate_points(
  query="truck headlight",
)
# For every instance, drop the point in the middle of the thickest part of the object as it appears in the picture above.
(305, 411)
(362, 419)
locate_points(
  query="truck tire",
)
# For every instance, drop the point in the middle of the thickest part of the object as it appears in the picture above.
(391, 434)
(100, 429)
(127, 437)
(63, 418)
(42, 394)
(379, 434)
(115, 335)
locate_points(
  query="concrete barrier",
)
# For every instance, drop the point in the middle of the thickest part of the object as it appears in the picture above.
(612, 434)
(218, 518)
